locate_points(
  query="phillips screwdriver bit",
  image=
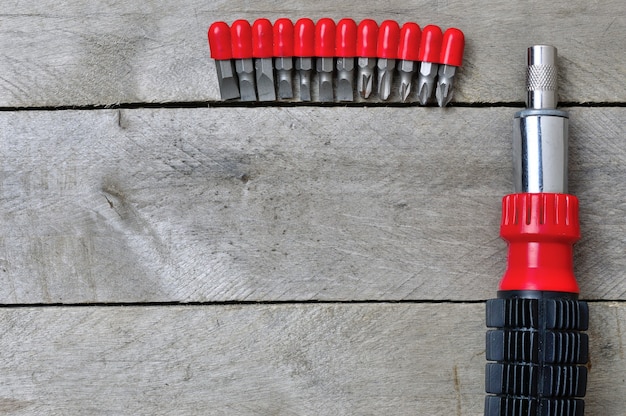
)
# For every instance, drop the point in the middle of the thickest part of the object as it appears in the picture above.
(221, 52)
(324, 54)
(241, 34)
(429, 54)
(451, 58)
(262, 50)
(283, 52)
(366, 39)
(387, 51)
(345, 51)
(408, 54)
(303, 51)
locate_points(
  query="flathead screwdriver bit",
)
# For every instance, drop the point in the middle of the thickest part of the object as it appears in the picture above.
(303, 51)
(345, 51)
(283, 53)
(221, 52)
(262, 51)
(324, 57)
(451, 58)
(241, 34)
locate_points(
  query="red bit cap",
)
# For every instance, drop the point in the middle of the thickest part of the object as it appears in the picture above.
(325, 38)
(283, 38)
(452, 47)
(304, 38)
(345, 43)
(219, 41)
(241, 34)
(410, 36)
(367, 38)
(262, 38)
(388, 39)
(430, 47)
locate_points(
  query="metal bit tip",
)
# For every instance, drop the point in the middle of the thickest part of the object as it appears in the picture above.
(384, 85)
(344, 90)
(285, 90)
(366, 85)
(247, 90)
(443, 93)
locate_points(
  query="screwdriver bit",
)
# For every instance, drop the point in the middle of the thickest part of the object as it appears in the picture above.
(262, 50)
(303, 50)
(345, 51)
(221, 52)
(387, 51)
(451, 58)
(430, 49)
(324, 53)
(283, 52)
(367, 37)
(408, 53)
(241, 34)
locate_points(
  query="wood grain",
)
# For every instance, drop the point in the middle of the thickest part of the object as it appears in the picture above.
(108, 52)
(365, 359)
(197, 205)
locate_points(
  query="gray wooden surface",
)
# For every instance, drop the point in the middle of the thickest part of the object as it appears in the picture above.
(248, 217)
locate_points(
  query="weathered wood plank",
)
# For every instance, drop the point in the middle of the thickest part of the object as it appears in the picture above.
(106, 52)
(365, 359)
(283, 204)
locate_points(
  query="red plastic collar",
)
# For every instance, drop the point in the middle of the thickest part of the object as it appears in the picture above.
(541, 230)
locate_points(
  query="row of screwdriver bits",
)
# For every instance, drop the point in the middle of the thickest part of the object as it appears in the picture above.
(248, 56)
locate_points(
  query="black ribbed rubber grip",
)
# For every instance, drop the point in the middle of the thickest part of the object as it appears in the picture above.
(538, 354)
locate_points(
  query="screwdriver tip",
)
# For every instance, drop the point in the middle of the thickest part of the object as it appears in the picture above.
(405, 90)
(366, 86)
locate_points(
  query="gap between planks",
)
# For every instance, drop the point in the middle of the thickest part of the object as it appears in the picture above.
(261, 303)
(288, 104)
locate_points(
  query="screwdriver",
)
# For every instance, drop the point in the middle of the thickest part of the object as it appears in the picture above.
(366, 39)
(387, 52)
(345, 51)
(241, 36)
(324, 53)
(283, 52)
(429, 54)
(408, 54)
(537, 350)
(262, 51)
(451, 58)
(303, 50)
(221, 52)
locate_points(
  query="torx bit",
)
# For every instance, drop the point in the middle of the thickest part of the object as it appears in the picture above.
(408, 53)
(303, 51)
(221, 52)
(324, 54)
(430, 48)
(283, 52)
(451, 58)
(345, 51)
(387, 52)
(366, 39)
(241, 34)
(262, 50)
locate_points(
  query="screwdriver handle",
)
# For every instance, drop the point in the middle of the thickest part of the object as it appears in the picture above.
(538, 354)
(536, 347)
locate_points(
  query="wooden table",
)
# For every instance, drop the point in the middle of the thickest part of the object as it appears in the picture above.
(164, 253)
